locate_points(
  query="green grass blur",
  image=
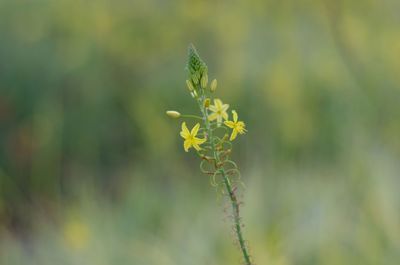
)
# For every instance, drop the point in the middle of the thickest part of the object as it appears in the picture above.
(93, 172)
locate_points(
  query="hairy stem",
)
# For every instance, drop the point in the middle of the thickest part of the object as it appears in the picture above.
(236, 216)
(228, 185)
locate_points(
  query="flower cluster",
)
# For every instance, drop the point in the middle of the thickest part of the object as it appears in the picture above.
(219, 113)
(215, 115)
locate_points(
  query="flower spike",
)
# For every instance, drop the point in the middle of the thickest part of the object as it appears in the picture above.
(215, 146)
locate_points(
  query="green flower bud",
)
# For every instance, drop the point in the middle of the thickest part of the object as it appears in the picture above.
(204, 80)
(213, 86)
(195, 78)
(173, 114)
(195, 66)
(189, 85)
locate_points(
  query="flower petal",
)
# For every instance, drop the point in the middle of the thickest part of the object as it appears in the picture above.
(212, 108)
(197, 147)
(185, 131)
(230, 124)
(218, 103)
(225, 107)
(235, 116)
(187, 144)
(195, 129)
(225, 115)
(213, 116)
(199, 141)
(233, 135)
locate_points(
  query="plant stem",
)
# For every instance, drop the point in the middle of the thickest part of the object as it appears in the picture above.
(191, 116)
(236, 216)
(228, 186)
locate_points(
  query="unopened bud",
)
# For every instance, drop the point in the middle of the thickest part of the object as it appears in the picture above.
(204, 80)
(173, 114)
(213, 86)
(206, 103)
(195, 78)
(189, 85)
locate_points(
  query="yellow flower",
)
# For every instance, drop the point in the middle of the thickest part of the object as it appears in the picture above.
(237, 126)
(190, 137)
(219, 110)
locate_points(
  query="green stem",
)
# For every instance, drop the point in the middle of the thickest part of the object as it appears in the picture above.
(191, 116)
(236, 216)
(228, 186)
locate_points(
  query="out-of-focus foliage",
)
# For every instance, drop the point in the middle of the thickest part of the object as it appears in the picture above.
(85, 177)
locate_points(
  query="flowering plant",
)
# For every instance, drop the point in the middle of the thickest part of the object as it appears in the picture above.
(212, 139)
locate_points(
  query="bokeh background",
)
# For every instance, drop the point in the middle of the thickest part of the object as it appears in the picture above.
(93, 172)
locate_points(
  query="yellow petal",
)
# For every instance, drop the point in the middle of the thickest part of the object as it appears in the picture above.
(197, 147)
(233, 135)
(230, 124)
(185, 131)
(218, 103)
(212, 108)
(235, 116)
(187, 144)
(225, 107)
(213, 116)
(225, 115)
(195, 129)
(198, 140)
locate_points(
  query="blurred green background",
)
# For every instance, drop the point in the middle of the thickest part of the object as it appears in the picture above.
(93, 172)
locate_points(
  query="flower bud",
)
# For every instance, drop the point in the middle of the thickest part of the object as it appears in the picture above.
(195, 66)
(189, 85)
(173, 114)
(213, 86)
(195, 78)
(207, 103)
(204, 80)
